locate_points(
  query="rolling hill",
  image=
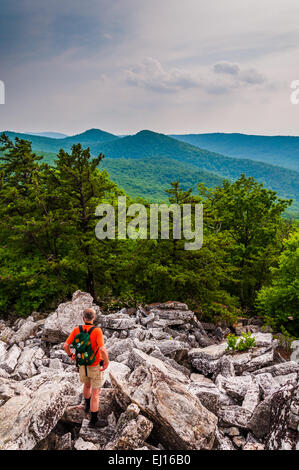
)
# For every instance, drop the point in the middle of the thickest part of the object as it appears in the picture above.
(275, 150)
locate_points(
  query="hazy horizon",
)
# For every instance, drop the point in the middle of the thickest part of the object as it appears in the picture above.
(142, 129)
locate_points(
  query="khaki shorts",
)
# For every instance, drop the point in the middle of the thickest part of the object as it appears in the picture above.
(95, 377)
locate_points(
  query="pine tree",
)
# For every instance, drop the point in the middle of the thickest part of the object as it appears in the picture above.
(81, 187)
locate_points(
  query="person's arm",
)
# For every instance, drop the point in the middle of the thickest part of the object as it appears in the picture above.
(105, 357)
(104, 352)
(67, 349)
(68, 343)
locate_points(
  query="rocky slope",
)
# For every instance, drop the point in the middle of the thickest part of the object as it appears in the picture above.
(170, 384)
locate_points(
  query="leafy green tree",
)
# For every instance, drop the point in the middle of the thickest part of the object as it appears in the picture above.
(251, 217)
(279, 302)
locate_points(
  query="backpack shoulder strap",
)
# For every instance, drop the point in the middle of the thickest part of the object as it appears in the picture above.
(80, 328)
(91, 330)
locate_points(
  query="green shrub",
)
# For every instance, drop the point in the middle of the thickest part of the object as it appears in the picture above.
(231, 342)
(237, 343)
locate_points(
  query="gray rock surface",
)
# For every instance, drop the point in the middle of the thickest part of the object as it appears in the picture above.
(117, 321)
(65, 442)
(174, 349)
(118, 369)
(26, 368)
(252, 397)
(24, 421)
(117, 348)
(138, 358)
(295, 351)
(27, 329)
(98, 436)
(9, 360)
(236, 387)
(260, 420)
(208, 395)
(284, 419)
(275, 370)
(3, 347)
(60, 324)
(182, 422)
(80, 444)
(222, 442)
(10, 388)
(131, 430)
(234, 416)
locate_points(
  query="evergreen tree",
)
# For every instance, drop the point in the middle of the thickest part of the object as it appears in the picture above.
(28, 231)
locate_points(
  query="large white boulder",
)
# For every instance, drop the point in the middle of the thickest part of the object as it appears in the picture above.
(67, 316)
(25, 421)
(179, 418)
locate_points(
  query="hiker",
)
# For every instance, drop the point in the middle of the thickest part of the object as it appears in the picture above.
(92, 364)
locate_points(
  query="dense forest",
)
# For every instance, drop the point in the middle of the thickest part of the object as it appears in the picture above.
(248, 264)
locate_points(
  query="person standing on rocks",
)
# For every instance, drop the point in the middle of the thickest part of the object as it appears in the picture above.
(91, 376)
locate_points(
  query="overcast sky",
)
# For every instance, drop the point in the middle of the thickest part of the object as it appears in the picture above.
(171, 66)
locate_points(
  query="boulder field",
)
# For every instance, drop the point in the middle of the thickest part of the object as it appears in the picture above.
(171, 384)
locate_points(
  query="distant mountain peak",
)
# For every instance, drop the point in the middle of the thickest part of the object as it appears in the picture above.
(151, 136)
(93, 132)
(91, 136)
(147, 132)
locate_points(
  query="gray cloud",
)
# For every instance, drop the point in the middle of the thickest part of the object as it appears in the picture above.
(153, 76)
(226, 67)
(252, 77)
(150, 74)
(241, 76)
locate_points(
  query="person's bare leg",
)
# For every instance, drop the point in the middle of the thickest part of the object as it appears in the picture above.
(87, 391)
(94, 406)
(94, 402)
(86, 395)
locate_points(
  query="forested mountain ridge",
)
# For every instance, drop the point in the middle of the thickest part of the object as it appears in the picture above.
(146, 145)
(275, 150)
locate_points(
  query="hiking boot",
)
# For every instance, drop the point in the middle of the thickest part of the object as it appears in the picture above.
(94, 421)
(87, 405)
(95, 424)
